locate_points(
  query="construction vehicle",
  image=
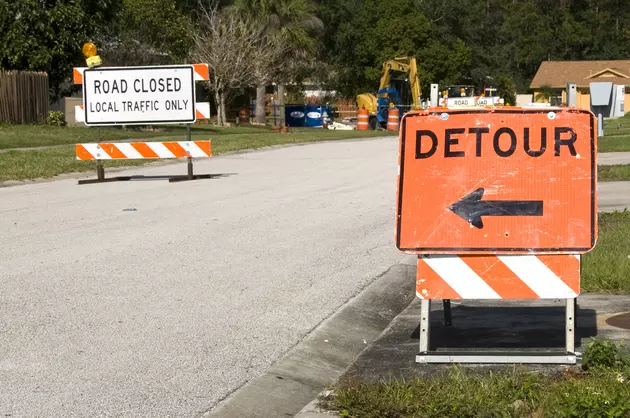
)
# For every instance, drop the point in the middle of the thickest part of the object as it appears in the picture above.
(378, 105)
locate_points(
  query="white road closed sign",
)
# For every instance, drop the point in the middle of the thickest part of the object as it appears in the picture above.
(139, 95)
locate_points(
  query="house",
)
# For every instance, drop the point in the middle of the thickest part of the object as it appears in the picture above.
(557, 74)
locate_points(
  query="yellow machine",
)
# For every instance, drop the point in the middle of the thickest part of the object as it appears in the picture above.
(378, 105)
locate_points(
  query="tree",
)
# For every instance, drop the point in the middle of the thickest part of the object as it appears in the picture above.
(149, 32)
(545, 94)
(238, 50)
(369, 32)
(47, 35)
(291, 21)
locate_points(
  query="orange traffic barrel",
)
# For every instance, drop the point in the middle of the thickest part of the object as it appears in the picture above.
(363, 119)
(243, 116)
(393, 119)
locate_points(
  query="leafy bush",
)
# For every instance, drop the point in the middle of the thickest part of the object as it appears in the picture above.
(56, 118)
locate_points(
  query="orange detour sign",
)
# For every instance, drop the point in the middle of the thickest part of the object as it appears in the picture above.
(505, 180)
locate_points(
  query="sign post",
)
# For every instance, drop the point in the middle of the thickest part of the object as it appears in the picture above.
(498, 204)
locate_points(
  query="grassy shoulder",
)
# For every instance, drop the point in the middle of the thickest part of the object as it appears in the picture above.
(599, 389)
(46, 163)
(619, 172)
(616, 135)
(29, 136)
(620, 143)
(606, 269)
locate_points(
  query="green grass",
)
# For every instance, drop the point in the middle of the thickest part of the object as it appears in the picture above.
(613, 143)
(606, 269)
(46, 163)
(616, 135)
(613, 172)
(602, 390)
(23, 165)
(611, 126)
(28, 136)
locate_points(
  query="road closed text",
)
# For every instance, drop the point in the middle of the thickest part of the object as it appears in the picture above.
(505, 141)
(152, 85)
(139, 95)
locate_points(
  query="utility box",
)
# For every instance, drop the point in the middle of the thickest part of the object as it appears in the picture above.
(571, 94)
(608, 99)
(602, 102)
(435, 93)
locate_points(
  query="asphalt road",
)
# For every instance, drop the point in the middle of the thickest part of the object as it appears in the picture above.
(147, 298)
(166, 309)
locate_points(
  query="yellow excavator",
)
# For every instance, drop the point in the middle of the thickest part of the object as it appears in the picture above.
(379, 104)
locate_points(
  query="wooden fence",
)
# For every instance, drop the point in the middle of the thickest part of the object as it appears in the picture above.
(23, 97)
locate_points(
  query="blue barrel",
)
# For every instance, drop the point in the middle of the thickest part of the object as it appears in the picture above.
(295, 115)
(314, 115)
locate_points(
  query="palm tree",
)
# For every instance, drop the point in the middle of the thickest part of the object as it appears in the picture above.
(545, 94)
(295, 22)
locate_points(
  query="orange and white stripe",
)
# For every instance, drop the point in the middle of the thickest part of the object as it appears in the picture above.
(141, 150)
(202, 111)
(498, 276)
(202, 73)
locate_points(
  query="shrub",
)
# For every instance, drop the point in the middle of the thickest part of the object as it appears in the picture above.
(56, 118)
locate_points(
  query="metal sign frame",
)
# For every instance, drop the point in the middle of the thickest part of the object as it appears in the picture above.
(193, 115)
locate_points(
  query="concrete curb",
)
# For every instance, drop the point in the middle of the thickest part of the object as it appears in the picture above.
(321, 358)
(395, 350)
(313, 411)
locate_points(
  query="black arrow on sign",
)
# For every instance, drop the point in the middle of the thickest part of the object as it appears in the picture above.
(471, 208)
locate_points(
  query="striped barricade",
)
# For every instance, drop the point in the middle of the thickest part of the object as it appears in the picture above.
(498, 277)
(143, 150)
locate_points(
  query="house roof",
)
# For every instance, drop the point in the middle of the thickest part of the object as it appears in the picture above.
(582, 73)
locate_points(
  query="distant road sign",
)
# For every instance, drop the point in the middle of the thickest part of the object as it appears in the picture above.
(497, 181)
(139, 95)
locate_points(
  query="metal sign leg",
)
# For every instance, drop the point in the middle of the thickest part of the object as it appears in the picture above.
(100, 171)
(566, 356)
(190, 175)
(100, 176)
(448, 318)
(570, 325)
(425, 312)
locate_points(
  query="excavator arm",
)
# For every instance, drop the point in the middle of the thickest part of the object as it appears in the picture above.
(388, 67)
(404, 65)
(414, 80)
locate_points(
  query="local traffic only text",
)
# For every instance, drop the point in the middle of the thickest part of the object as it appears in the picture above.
(139, 86)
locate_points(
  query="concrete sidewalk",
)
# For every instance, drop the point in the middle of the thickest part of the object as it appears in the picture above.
(482, 325)
(613, 158)
(614, 195)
